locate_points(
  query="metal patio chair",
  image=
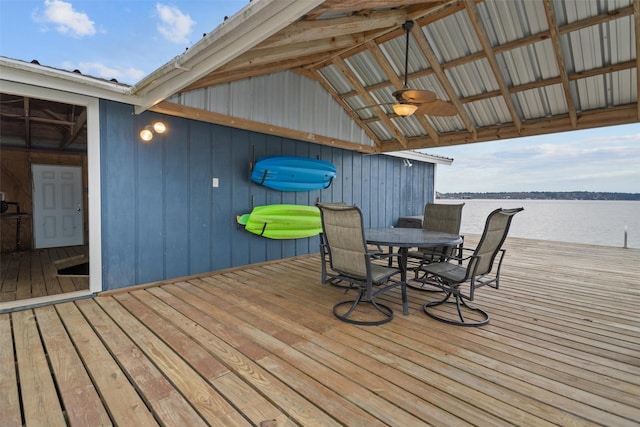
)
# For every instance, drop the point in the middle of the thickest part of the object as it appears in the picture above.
(445, 218)
(352, 261)
(325, 268)
(475, 271)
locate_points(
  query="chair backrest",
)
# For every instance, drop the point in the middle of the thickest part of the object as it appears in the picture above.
(493, 236)
(321, 204)
(442, 217)
(344, 235)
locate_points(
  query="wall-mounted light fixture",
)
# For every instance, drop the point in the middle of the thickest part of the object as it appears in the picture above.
(406, 163)
(147, 133)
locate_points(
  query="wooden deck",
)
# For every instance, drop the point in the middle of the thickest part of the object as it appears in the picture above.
(261, 343)
(26, 275)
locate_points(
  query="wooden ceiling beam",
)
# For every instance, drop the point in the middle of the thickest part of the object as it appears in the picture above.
(562, 69)
(481, 32)
(317, 48)
(315, 75)
(603, 117)
(75, 129)
(424, 46)
(327, 29)
(598, 19)
(541, 36)
(249, 125)
(251, 71)
(397, 83)
(554, 81)
(346, 71)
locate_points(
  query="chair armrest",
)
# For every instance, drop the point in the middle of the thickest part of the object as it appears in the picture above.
(382, 255)
(461, 257)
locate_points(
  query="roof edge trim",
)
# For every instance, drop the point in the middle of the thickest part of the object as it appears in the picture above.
(420, 157)
(17, 71)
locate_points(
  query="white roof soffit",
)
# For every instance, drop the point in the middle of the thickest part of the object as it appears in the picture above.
(35, 75)
(420, 157)
(253, 24)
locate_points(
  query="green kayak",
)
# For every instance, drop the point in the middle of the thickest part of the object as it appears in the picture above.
(282, 221)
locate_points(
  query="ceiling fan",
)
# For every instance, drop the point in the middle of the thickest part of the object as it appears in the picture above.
(410, 101)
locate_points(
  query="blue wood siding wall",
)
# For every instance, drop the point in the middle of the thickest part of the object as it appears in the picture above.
(161, 217)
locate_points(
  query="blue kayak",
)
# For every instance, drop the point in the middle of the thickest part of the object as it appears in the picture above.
(287, 173)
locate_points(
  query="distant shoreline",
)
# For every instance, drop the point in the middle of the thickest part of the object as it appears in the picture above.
(543, 195)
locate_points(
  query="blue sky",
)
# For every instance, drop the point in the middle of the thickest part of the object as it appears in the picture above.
(121, 39)
(127, 40)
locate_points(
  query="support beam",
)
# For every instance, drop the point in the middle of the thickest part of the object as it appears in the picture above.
(397, 83)
(483, 38)
(342, 66)
(557, 49)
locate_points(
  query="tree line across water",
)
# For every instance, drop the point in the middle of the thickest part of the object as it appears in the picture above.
(543, 195)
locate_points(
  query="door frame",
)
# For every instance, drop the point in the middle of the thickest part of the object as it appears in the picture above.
(92, 105)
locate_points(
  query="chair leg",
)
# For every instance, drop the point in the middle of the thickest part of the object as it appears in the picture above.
(424, 284)
(460, 303)
(386, 311)
(405, 299)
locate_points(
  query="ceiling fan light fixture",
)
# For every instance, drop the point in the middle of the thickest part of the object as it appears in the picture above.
(403, 109)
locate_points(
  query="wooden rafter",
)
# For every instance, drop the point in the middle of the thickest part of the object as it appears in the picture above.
(546, 125)
(222, 119)
(397, 83)
(327, 29)
(75, 129)
(424, 46)
(562, 71)
(481, 32)
(342, 66)
(598, 19)
(315, 75)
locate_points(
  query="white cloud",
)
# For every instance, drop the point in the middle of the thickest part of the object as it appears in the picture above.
(67, 20)
(174, 25)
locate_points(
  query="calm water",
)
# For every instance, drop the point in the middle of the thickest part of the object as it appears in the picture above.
(579, 221)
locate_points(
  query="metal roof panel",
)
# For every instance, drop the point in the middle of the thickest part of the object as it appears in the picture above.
(452, 37)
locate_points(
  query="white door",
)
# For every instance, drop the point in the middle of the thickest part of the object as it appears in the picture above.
(57, 206)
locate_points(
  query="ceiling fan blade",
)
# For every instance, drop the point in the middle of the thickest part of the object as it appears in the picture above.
(415, 96)
(438, 108)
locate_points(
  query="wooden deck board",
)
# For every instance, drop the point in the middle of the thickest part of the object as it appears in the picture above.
(39, 397)
(78, 394)
(260, 342)
(26, 275)
(9, 393)
(119, 395)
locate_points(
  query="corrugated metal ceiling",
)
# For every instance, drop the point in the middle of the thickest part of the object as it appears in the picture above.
(510, 68)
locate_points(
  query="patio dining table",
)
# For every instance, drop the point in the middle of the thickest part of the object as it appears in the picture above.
(405, 238)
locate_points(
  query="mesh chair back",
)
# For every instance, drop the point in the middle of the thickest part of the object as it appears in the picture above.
(493, 236)
(442, 217)
(344, 234)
